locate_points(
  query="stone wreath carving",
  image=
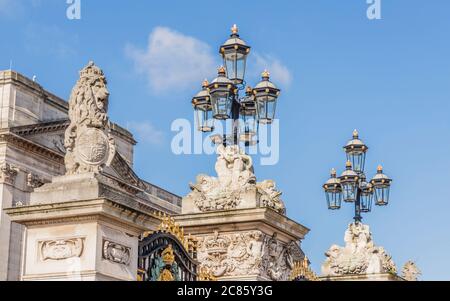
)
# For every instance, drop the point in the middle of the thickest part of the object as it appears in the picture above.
(61, 249)
(247, 253)
(116, 253)
(235, 177)
(88, 140)
(359, 256)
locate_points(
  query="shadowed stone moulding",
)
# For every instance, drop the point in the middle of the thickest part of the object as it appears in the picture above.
(88, 141)
(234, 187)
(359, 256)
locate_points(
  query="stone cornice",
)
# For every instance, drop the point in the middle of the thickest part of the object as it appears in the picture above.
(243, 217)
(7, 136)
(136, 221)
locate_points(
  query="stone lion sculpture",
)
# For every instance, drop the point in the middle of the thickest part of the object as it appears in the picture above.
(87, 139)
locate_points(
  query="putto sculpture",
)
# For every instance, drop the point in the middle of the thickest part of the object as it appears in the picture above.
(235, 179)
(359, 256)
(88, 141)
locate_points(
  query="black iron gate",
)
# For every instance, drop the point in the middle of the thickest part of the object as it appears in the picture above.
(163, 257)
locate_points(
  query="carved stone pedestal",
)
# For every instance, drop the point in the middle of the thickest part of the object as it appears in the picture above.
(246, 244)
(83, 227)
(241, 225)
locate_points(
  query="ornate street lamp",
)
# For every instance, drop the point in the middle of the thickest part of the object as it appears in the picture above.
(352, 186)
(234, 53)
(203, 109)
(221, 99)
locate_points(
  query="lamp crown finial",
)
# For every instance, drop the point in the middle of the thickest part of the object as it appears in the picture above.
(380, 169)
(355, 134)
(265, 74)
(348, 165)
(333, 172)
(234, 29)
(205, 83)
(221, 70)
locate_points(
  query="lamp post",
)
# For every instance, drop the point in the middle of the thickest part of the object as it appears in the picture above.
(353, 187)
(220, 99)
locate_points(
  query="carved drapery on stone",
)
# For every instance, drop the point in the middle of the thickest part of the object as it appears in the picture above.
(246, 253)
(410, 271)
(359, 256)
(235, 177)
(88, 140)
(116, 253)
(8, 173)
(61, 249)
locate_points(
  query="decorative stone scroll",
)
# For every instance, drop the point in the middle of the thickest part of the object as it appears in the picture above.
(35, 181)
(88, 141)
(359, 256)
(116, 253)
(247, 253)
(61, 249)
(235, 177)
(8, 173)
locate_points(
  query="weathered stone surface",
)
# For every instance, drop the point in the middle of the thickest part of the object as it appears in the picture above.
(360, 256)
(234, 188)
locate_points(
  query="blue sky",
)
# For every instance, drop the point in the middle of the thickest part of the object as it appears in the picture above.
(388, 78)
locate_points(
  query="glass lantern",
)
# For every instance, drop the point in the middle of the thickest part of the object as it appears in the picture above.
(366, 198)
(248, 124)
(333, 191)
(266, 96)
(222, 92)
(234, 53)
(349, 183)
(356, 153)
(203, 109)
(381, 184)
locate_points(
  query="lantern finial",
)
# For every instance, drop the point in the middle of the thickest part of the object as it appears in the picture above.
(355, 134)
(348, 165)
(380, 169)
(234, 29)
(333, 173)
(265, 74)
(205, 83)
(221, 70)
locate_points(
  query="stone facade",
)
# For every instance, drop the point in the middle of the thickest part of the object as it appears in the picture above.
(32, 152)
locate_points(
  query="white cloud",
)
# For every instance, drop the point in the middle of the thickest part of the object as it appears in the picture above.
(279, 73)
(146, 132)
(173, 61)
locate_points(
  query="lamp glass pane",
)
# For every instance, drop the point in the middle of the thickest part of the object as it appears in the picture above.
(349, 192)
(382, 195)
(221, 103)
(358, 159)
(334, 199)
